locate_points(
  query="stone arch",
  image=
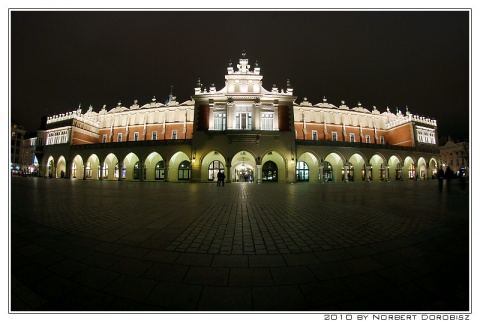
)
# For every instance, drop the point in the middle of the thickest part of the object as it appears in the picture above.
(77, 167)
(211, 163)
(307, 167)
(244, 167)
(177, 167)
(277, 158)
(127, 166)
(110, 169)
(358, 161)
(422, 168)
(61, 169)
(155, 169)
(409, 170)
(378, 164)
(394, 168)
(92, 167)
(432, 168)
(332, 167)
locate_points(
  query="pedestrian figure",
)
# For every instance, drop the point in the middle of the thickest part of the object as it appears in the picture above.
(222, 178)
(219, 178)
(441, 174)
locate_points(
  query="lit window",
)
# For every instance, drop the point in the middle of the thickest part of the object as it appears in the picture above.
(104, 138)
(352, 137)
(243, 121)
(382, 140)
(154, 135)
(174, 134)
(119, 137)
(135, 136)
(314, 135)
(267, 121)
(334, 136)
(219, 121)
(367, 139)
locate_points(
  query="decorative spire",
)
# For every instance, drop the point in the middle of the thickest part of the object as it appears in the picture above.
(289, 85)
(244, 53)
(256, 63)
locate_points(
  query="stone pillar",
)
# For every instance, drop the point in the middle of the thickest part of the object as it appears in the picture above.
(259, 173)
(165, 173)
(368, 168)
(101, 171)
(84, 172)
(228, 172)
(320, 174)
(68, 169)
(345, 172)
(140, 168)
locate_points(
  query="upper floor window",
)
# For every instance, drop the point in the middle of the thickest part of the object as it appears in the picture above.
(135, 136)
(243, 120)
(119, 137)
(104, 138)
(382, 140)
(314, 135)
(174, 134)
(154, 135)
(367, 139)
(219, 121)
(334, 136)
(267, 121)
(352, 137)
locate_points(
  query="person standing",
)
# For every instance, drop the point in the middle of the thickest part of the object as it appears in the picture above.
(441, 174)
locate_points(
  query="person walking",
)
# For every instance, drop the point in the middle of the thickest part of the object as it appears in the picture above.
(441, 174)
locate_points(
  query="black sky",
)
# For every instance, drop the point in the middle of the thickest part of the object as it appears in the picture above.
(419, 59)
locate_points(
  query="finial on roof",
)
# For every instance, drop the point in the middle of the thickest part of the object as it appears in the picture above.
(324, 99)
(359, 104)
(343, 102)
(289, 85)
(119, 103)
(256, 63)
(244, 53)
(154, 99)
(199, 84)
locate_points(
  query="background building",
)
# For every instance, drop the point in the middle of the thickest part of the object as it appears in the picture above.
(250, 133)
(17, 135)
(455, 156)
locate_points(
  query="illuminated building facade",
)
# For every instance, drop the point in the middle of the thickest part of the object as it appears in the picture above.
(249, 133)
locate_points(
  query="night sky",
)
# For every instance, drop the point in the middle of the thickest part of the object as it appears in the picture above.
(419, 59)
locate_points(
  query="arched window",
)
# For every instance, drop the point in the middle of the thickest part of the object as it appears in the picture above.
(327, 171)
(270, 172)
(213, 168)
(398, 171)
(382, 172)
(184, 170)
(302, 171)
(105, 170)
(160, 170)
(115, 174)
(74, 170)
(349, 174)
(88, 170)
(411, 171)
(136, 171)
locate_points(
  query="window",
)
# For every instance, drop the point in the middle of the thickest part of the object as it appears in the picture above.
(367, 139)
(119, 137)
(314, 135)
(352, 137)
(334, 136)
(267, 121)
(88, 170)
(243, 121)
(302, 171)
(105, 170)
(269, 171)
(160, 170)
(135, 136)
(104, 138)
(214, 168)
(184, 170)
(154, 135)
(382, 140)
(174, 134)
(219, 121)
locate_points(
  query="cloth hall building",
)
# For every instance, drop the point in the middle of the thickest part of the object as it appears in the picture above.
(244, 130)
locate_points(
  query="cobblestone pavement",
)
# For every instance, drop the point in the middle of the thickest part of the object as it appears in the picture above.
(150, 246)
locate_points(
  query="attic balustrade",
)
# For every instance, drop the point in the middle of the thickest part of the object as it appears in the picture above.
(410, 118)
(72, 115)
